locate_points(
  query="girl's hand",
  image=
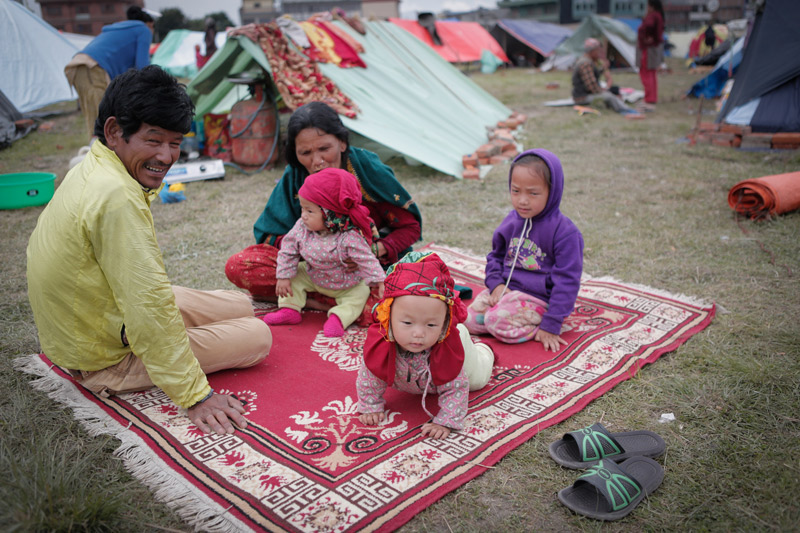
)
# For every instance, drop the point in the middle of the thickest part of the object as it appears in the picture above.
(380, 287)
(371, 419)
(350, 265)
(552, 343)
(496, 293)
(381, 255)
(435, 431)
(283, 288)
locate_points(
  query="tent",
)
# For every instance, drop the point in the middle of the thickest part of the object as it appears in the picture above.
(412, 102)
(766, 90)
(530, 39)
(621, 47)
(461, 42)
(698, 46)
(78, 40)
(176, 52)
(12, 125)
(711, 85)
(33, 59)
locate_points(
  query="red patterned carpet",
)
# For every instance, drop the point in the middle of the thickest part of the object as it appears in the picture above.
(305, 463)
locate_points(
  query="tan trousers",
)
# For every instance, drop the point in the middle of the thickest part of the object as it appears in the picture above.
(90, 82)
(223, 333)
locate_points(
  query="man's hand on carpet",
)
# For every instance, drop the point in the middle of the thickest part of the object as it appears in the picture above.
(371, 419)
(552, 343)
(435, 431)
(216, 413)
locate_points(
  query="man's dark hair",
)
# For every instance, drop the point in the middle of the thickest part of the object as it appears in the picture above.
(316, 115)
(151, 96)
(136, 13)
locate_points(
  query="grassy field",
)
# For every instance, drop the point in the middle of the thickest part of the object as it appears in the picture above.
(652, 210)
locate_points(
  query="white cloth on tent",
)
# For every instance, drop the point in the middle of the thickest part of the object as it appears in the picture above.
(290, 27)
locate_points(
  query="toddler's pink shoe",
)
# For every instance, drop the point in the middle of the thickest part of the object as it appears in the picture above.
(333, 327)
(283, 316)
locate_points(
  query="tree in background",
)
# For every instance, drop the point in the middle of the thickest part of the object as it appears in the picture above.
(220, 17)
(173, 19)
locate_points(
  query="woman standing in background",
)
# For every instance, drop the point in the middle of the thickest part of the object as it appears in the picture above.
(650, 52)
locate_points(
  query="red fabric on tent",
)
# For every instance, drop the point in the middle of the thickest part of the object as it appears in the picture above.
(463, 41)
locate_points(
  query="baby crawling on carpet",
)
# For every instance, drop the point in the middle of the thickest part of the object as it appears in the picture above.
(419, 345)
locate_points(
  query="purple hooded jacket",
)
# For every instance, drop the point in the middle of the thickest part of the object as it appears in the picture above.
(550, 259)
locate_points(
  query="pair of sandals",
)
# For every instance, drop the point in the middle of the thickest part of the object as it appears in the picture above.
(620, 470)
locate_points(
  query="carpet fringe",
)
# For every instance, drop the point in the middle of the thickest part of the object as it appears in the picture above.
(192, 505)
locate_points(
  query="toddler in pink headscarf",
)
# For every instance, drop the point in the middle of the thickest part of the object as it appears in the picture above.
(333, 229)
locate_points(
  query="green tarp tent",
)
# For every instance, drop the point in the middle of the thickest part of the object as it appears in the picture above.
(411, 101)
(176, 52)
(621, 48)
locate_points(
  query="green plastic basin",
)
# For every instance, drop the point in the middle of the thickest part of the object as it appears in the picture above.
(25, 189)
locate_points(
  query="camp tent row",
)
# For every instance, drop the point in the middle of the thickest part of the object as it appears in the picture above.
(621, 47)
(766, 89)
(411, 101)
(33, 58)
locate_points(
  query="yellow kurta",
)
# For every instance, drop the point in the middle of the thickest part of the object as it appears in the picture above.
(93, 265)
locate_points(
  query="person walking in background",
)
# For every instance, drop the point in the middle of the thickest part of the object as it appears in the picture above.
(650, 52)
(210, 42)
(119, 46)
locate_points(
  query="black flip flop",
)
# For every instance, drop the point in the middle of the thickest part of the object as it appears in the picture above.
(585, 447)
(610, 491)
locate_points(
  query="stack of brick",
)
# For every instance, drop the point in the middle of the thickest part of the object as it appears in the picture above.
(742, 137)
(786, 141)
(500, 148)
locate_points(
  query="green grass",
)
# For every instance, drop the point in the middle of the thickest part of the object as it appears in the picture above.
(653, 211)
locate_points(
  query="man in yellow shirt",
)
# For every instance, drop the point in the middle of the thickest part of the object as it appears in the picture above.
(103, 305)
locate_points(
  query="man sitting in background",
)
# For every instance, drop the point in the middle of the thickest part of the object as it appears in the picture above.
(103, 305)
(586, 79)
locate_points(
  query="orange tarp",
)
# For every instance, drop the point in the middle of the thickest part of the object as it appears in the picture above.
(461, 41)
(763, 197)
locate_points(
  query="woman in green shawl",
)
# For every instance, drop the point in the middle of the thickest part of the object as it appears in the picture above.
(317, 139)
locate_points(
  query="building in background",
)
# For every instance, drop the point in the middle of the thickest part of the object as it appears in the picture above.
(257, 11)
(85, 16)
(692, 14)
(267, 10)
(679, 14)
(380, 9)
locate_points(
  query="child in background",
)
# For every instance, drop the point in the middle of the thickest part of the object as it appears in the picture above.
(533, 272)
(334, 228)
(419, 345)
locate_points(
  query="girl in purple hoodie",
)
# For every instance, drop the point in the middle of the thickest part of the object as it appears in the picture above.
(533, 272)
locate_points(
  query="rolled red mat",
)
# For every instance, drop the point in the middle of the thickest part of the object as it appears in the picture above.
(760, 198)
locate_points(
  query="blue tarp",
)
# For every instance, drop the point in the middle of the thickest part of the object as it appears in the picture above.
(711, 85)
(33, 58)
(540, 36)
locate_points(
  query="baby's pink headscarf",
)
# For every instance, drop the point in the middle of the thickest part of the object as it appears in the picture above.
(337, 190)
